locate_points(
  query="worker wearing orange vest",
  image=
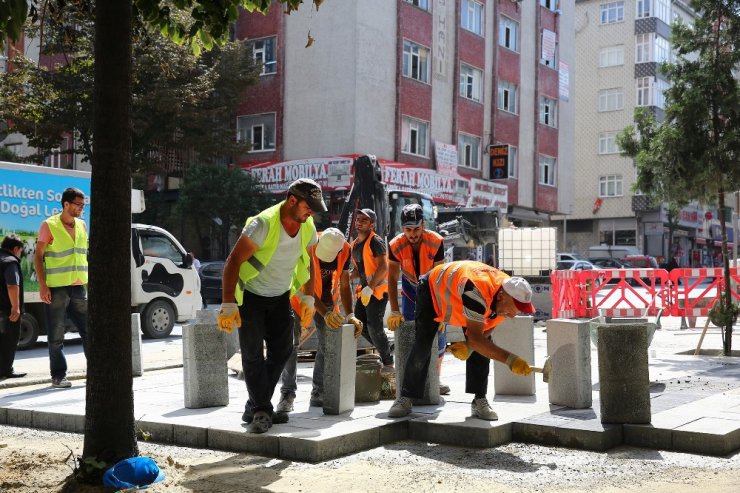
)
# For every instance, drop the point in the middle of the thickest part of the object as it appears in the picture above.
(330, 259)
(412, 253)
(477, 297)
(371, 268)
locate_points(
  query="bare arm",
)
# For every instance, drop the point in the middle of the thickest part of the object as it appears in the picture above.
(394, 270)
(15, 302)
(380, 273)
(242, 252)
(308, 287)
(482, 344)
(345, 292)
(38, 265)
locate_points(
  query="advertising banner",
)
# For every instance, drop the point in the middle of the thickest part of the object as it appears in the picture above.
(485, 193)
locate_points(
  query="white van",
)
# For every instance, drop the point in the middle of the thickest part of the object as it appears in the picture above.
(612, 251)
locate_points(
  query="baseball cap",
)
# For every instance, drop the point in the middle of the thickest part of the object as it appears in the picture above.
(369, 213)
(330, 244)
(310, 191)
(520, 290)
(411, 215)
(135, 472)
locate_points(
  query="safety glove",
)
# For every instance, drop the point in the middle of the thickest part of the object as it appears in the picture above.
(305, 312)
(351, 319)
(228, 316)
(460, 350)
(333, 319)
(517, 365)
(395, 319)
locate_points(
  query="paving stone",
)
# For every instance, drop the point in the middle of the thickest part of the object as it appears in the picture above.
(711, 436)
(20, 417)
(190, 436)
(648, 436)
(3, 416)
(569, 350)
(517, 336)
(404, 338)
(137, 359)
(205, 376)
(266, 444)
(564, 436)
(339, 370)
(72, 423)
(155, 431)
(47, 420)
(323, 447)
(472, 432)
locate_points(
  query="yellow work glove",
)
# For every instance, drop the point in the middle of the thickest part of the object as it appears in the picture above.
(228, 316)
(351, 319)
(460, 350)
(517, 365)
(333, 319)
(366, 294)
(441, 327)
(395, 319)
(306, 310)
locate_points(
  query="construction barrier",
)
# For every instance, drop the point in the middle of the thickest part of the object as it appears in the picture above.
(639, 292)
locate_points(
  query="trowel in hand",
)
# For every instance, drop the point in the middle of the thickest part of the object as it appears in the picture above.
(546, 369)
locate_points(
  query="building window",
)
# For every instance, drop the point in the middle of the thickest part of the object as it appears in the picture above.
(470, 83)
(513, 161)
(258, 130)
(468, 151)
(643, 8)
(414, 136)
(663, 10)
(422, 4)
(662, 49)
(549, 55)
(471, 16)
(264, 53)
(547, 170)
(611, 56)
(508, 33)
(610, 186)
(549, 4)
(642, 47)
(608, 143)
(548, 111)
(612, 12)
(643, 91)
(651, 92)
(415, 61)
(611, 99)
(507, 97)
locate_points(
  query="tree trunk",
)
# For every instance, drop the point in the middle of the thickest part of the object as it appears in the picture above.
(727, 339)
(109, 413)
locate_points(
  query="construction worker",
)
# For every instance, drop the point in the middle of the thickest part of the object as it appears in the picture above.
(11, 303)
(371, 268)
(413, 252)
(60, 262)
(474, 296)
(267, 265)
(330, 258)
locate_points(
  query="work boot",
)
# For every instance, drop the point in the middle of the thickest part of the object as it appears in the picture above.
(247, 416)
(444, 389)
(286, 404)
(482, 409)
(317, 400)
(260, 423)
(400, 408)
(279, 418)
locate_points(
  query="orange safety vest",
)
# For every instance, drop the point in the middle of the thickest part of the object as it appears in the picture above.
(318, 285)
(370, 267)
(446, 282)
(403, 251)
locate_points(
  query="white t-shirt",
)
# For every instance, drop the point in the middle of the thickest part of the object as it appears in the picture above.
(277, 275)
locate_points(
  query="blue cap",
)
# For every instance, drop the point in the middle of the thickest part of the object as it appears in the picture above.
(135, 472)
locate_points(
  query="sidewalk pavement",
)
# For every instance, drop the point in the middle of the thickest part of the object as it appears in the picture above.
(695, 405)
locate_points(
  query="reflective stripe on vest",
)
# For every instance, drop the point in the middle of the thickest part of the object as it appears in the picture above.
(318, 285)
(257, 262)
(371, 266)
(404, 253)
(447, 282)
(65, 259)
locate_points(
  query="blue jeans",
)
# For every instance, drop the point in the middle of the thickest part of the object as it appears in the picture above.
(289, 377)
(371, 317)
(66, 301)
(265, 320)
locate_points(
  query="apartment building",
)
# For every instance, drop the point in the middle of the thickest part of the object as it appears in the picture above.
(428, 86)
(619, 47)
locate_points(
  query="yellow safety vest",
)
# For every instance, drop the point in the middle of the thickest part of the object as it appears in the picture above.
(65, 259)
(252, 267)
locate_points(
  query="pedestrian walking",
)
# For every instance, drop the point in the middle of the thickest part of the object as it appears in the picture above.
(11, 303)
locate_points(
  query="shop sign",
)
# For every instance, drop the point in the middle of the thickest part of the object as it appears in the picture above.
(331, 173)
(454, 189)
(485, 193)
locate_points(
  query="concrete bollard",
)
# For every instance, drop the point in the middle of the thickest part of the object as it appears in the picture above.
(340, 353)
(404, 341)
(624, 382)
(137, 358)
(204, 363)
(569, 350)
(517, 336)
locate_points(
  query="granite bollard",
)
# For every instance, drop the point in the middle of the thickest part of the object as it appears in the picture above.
(404, 341)
(624, 382)
(517, 336)
(340, 353)
(204, 363)
(569, 350)
(137, 359)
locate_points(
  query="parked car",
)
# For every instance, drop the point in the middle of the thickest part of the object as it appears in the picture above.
(642, 261)
(610, 263)
(210, 281)
(574, 265)
(568, 256)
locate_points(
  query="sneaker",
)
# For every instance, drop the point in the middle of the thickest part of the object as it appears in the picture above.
(482, 409)
(444, 389)
(286, 404)
(400, 408)
(247, 416)
(316, 401)
(279, 418)
(261, 422)
(61, 383)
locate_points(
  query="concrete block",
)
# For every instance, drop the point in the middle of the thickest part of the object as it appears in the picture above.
(232, 338)
(3, 416)
(710, 436)
(339, 370)
(190, 436)
(624, 383)
(72, 423)
(242, 441)
(322, 448)
(137, 358)
(517, 336)
(154, 431)
(20, 417)
(569, 350)
(648, 436)
(404, 341)
(472, 432)
(47, 420)
(572, 437)
(393, 432)
(205, 376)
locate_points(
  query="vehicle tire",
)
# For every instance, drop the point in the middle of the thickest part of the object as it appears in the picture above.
(29, 333)
(157, 319)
